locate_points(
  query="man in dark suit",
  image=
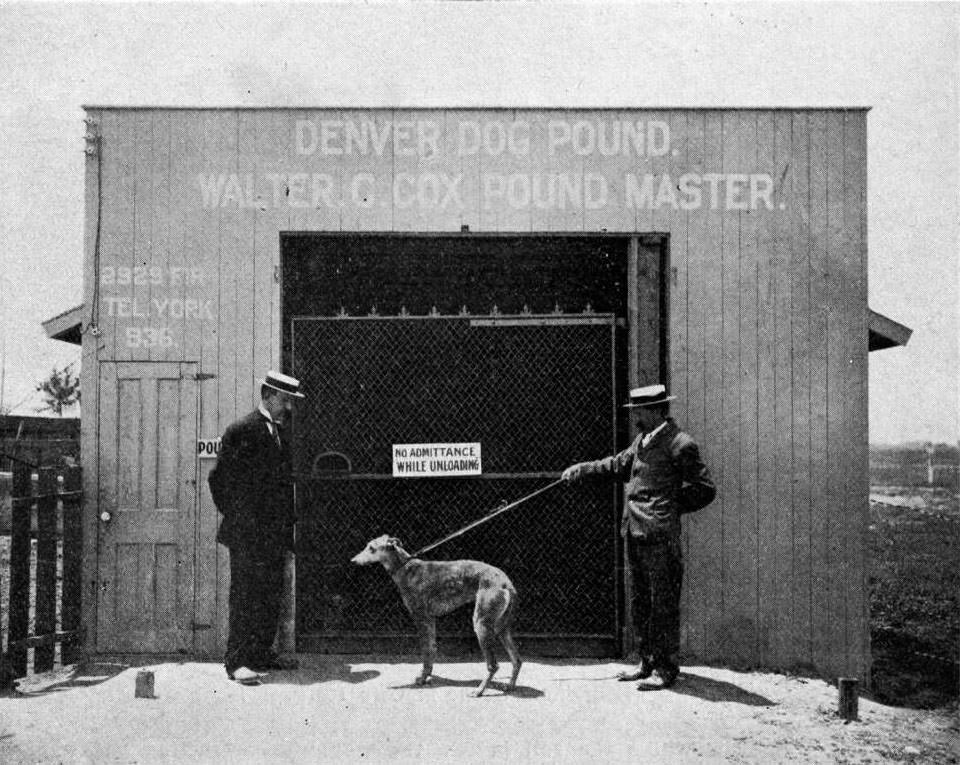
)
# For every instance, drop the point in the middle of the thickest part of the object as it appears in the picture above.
(252, 487)
(665, 478)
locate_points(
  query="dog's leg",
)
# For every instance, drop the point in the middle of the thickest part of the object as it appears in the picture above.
(511, 647)
(484, 624)
(427, 627)
(506, 636)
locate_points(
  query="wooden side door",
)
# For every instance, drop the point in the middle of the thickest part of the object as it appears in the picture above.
(147, 506)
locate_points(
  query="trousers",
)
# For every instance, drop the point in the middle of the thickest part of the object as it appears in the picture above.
(256, 595)
(657, 580)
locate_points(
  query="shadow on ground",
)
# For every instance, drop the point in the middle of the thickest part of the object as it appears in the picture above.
(436, 681)
(65, 679)
(708, 689)
(309, 673)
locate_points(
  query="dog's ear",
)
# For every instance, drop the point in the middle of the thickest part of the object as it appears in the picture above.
(394, 543)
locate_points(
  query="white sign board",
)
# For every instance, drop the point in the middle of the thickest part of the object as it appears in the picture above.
(435, 460)
(208, 448)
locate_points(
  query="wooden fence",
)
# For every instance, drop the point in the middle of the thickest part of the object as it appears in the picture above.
(45, 523)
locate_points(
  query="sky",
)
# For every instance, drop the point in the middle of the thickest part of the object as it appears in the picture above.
(900, 60)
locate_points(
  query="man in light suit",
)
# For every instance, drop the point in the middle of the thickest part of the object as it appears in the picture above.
(252, 487)
(665, 479)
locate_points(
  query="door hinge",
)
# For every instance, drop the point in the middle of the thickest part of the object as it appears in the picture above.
(200, 376)
(196, 626)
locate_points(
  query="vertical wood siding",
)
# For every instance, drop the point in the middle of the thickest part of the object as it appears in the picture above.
(767, 333)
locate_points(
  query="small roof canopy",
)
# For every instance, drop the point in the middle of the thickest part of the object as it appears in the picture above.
(65, 326)
(884, 332)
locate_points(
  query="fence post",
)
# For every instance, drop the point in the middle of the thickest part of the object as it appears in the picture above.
(20, 567)
(848, 697)
(45, 616)
(71, 652)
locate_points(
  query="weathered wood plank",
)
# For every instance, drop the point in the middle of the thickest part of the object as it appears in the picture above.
(230, 266)
(467, 166)
(270, 220)
(45, 607)
(821, 585)
(837, 442)
(135, 343)
(552, 156)
(245, 262)
(505, 181)
(184, 396)
(777, 470)
(198, 212)
(71, 589)
(770, 539)
(208, 156)
(116, 248)
(858, 485)
(698, 526)
(659, 163)
(736, 636)
(166, 589)
(604, 211)
(678, 304)
(749, 560)
(420, 173)
(714, 526)
(316, 205)
(107, 496)
(801, 495)
(160, 314)
(181, 180)
(90, 371)
(19, 604)
(368, 204)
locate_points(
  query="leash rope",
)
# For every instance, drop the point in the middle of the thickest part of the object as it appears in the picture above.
(485, 518)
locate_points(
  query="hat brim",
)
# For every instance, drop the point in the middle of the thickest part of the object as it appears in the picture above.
(650, 403)
(282, 390)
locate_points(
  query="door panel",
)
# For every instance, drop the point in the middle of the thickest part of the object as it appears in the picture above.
(147, 485)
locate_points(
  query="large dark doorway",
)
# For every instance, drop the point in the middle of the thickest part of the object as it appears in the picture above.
(515, 343)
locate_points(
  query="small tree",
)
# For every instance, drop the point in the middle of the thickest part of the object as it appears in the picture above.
(61, 389)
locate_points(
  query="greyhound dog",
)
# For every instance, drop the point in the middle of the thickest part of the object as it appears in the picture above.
(433, 588)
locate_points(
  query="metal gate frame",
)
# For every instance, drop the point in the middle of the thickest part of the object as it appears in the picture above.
(342, 641)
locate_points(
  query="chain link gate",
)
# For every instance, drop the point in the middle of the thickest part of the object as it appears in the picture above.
(537, 392)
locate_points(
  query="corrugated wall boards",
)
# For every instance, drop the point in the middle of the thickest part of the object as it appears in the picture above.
(764, 213)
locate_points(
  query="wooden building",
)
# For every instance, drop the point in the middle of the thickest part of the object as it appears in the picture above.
(499, 278)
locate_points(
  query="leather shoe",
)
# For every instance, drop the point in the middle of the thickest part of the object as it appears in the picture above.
(642, 672)
(245, 676)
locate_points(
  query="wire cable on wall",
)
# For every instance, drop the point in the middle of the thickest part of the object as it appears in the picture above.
(93, 149)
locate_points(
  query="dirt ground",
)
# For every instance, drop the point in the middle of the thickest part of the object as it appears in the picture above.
(341, 709)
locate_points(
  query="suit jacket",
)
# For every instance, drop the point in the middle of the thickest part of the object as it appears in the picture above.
(665, 479)
(252, 487)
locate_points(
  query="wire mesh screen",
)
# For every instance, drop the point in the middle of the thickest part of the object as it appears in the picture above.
(536, 392)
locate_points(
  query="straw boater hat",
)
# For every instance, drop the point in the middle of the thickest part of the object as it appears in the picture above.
(649, 395)
(283, 383)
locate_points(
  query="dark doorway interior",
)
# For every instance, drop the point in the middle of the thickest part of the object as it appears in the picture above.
(513, 342)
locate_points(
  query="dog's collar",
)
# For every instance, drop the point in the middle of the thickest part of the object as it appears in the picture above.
(402, 565)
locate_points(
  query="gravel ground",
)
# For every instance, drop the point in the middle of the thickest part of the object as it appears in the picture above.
(340, 709)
